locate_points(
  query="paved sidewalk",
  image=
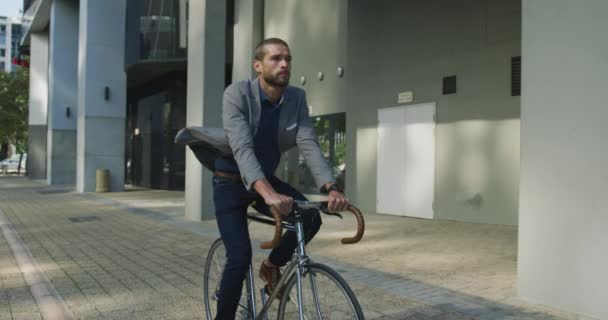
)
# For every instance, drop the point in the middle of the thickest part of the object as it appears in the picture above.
(137, 258)
(16, 301)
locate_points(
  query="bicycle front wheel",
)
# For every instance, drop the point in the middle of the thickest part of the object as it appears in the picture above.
(325, 295)
(212, 278)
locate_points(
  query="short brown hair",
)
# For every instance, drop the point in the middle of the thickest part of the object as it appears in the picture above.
(259, 49)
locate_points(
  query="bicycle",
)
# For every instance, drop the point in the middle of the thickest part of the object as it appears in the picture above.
(304, 301)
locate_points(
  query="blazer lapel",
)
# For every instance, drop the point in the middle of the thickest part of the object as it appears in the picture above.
(256, 106)
(285, 116)
(284, 112)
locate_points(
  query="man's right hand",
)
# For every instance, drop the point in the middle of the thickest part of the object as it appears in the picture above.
(276, 201)
(279, 202)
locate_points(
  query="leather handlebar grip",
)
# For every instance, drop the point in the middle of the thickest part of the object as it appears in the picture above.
(278, 231)
(360, 226)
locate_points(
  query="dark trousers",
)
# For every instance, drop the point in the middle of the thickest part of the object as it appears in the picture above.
(231, 201)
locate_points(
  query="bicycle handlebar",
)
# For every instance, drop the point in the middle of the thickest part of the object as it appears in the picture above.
(278, 231)
(321, 206)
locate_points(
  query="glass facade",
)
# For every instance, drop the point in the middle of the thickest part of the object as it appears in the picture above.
(16, 39)
(156, 63)
(331, 134)
(10, 38)
(153, 119)
(156, 30)
(156, 66)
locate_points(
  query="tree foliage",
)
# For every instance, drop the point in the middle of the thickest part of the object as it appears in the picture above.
(14, 91)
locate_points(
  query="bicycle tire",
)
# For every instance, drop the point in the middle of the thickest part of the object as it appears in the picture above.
(215, 263)
(336, 310)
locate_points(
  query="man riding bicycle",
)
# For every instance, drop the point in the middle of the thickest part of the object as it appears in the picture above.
(262, 118)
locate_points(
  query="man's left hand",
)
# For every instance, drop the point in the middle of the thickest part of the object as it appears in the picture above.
(337, 202)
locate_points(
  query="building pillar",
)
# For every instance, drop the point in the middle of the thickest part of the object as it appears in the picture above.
(38, 106)
(102, 90)
(206, 74)
(563, 208)
(62, 86)
(248, 32)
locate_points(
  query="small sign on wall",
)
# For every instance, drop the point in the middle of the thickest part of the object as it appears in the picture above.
(405, 97)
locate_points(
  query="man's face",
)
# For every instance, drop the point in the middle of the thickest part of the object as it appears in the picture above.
(275, 67)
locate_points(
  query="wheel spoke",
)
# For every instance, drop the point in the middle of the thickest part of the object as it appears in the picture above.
(335, 299)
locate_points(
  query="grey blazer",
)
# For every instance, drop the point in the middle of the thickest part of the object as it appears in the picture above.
(241, 112)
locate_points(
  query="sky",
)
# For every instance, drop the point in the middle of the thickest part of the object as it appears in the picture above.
(10, 8)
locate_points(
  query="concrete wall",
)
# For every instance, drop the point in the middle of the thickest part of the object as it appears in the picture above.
(101, 121)
(563, 210)
(396, 46)
(36, 152)
(38, 106)
(316, 33)
(206, 48)
(63, 90)
(248, 32)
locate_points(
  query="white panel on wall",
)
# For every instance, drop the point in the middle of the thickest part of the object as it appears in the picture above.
(406, 160)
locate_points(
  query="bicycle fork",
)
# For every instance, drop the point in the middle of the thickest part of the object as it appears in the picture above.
(303, 260)
(300, 265)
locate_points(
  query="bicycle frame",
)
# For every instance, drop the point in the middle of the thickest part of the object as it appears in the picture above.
(297, 265)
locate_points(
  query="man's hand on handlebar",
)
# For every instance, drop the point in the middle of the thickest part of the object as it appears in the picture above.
(282, 203)
(276, 201)
(337, 202)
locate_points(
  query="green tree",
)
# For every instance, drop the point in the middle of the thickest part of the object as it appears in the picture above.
(14, 90)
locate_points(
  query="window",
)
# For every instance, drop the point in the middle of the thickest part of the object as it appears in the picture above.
(15, 29)
(449, 85)
(2, 52)
(331, 134)
(2, 28)
(159, 30)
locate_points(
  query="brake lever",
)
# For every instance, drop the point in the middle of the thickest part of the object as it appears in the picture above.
(336, 214)
(327, 212)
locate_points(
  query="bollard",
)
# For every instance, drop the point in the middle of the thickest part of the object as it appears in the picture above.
(102, 180)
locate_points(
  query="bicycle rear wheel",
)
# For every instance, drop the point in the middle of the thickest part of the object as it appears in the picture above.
(212, 277)
(335, 300)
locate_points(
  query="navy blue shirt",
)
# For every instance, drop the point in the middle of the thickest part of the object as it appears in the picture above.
(265, 142)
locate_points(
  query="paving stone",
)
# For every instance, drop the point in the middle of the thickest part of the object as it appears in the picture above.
(137, 264)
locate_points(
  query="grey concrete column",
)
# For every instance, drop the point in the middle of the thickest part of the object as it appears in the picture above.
(63, 72)
(563, 208)
(102, 90)
(38, 105)
(248, 32)
(206, 59)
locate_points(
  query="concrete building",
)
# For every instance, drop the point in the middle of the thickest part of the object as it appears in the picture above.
(471, 110)
(10, 36)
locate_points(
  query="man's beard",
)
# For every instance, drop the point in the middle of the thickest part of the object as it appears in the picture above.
(277, 80)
